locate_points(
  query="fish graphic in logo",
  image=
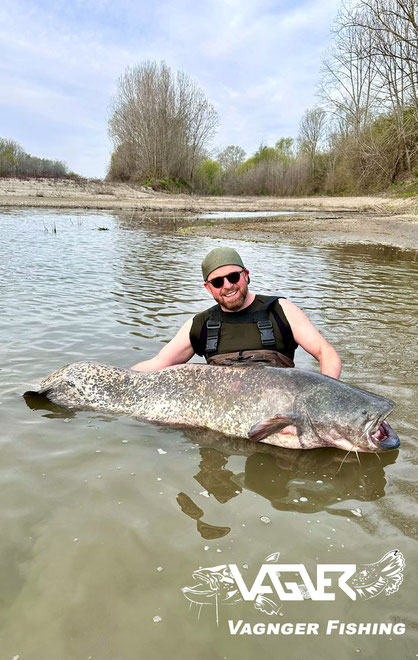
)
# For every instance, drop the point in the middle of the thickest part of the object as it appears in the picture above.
(216, 586)
(386, 575)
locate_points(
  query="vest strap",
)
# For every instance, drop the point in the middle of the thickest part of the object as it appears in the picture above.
(212, 339)
(269, 302)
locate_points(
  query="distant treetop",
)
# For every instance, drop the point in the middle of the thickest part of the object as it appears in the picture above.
(14, 161)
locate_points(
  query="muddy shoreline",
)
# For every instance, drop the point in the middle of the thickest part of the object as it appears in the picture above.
(323, 229)
(331, 220)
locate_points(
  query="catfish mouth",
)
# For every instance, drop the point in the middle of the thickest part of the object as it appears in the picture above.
(207, 587)
(381, 435)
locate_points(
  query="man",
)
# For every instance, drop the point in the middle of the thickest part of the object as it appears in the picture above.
(243, 328)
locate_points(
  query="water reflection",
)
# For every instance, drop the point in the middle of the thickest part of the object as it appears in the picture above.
(381, 254)
(36, 401)
(307, 483)
(217, 215)
(214, 477)
(194, 512)
(291, 480)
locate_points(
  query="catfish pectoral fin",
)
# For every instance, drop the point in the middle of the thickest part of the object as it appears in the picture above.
(266, 427)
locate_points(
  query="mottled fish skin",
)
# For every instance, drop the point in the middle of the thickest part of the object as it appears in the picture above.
(230, 400)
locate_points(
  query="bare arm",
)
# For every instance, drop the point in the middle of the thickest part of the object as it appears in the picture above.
(311, 340)
(177, 351)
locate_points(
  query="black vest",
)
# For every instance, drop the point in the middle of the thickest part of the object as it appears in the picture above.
(270, 329)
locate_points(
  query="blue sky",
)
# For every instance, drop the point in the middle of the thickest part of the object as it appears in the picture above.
(257, 60)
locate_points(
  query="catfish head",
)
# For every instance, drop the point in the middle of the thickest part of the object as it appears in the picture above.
(217, 585)
(332, 414)
(216, 581)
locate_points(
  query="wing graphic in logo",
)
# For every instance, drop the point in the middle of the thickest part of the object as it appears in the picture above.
(386, 575)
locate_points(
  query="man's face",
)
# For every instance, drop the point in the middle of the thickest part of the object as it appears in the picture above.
(230, 296)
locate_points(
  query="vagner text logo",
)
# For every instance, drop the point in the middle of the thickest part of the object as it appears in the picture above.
(221, 585)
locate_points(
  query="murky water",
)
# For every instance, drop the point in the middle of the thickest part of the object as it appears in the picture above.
(100, 530)
(249, 214)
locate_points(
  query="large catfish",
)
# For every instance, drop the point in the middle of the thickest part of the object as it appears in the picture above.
(285, 407)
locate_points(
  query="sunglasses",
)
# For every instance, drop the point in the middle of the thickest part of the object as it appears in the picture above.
(233, 278)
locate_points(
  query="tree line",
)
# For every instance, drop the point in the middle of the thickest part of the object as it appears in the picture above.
(14, 161)
(362, 135)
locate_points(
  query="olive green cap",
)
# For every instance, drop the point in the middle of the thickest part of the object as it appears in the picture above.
(220, 257)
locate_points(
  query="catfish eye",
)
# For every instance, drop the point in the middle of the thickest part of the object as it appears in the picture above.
(364, 411)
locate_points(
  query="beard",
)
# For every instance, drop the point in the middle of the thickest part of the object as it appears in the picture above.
(235, 303)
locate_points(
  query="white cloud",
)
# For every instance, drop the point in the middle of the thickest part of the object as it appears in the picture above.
(257, 60)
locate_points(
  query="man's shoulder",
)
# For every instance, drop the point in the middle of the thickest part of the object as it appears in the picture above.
(275, 306)
(201, 317)
(197, 328)
(262, 298)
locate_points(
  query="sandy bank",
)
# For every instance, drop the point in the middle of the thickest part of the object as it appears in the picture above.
(66, 193)
(335, 219)
(323, 229)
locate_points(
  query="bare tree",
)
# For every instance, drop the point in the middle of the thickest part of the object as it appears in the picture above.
(160, 122)
(348, 72)
(369, 83)
(393, 31)
(311, 131)
(311, 134)
(395, 23)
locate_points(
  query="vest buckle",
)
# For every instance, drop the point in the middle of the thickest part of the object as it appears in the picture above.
(266, 331)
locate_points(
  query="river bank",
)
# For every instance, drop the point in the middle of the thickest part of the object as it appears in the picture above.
(331, 220)
(397, 231)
